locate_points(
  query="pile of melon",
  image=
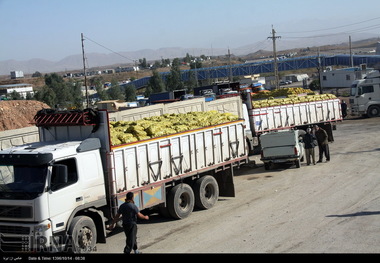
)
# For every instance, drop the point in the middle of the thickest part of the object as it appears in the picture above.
(284, 96)
(151, 127)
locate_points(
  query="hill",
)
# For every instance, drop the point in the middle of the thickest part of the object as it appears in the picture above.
(16, 114)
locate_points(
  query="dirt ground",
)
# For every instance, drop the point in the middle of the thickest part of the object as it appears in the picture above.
(331, 207)
(15, 114)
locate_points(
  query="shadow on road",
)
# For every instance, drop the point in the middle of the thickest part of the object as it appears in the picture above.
(363, 213)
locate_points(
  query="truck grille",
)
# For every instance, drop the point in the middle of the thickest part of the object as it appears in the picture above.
(9, 211)
(14, 238)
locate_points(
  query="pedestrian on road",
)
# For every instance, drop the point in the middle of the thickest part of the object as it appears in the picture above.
(310, 142)
(344, 108)
(323, 143)
(129, 213)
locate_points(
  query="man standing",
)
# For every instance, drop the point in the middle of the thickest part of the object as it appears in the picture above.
(309, 140)
(323, 143)
(129, 212)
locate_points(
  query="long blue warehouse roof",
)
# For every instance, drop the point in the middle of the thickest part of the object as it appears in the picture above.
(267, 66)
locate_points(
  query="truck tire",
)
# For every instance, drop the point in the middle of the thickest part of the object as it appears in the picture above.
(206, 192)
(298, 163)
(82, 231)
(373, 111)
(180, 201)
(267, 166)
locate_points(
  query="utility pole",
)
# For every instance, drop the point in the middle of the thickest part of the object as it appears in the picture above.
(84, 71)
(230, 69)
(351, 57)
(274, 37)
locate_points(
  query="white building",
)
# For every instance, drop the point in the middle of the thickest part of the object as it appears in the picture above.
(23, 89)
(295, 77)
(342, 78)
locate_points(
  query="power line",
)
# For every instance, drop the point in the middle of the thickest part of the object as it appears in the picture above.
(109, 49)
(331, 28)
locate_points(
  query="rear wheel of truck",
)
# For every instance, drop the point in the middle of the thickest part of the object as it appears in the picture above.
(180, 201)
(206, 192)
(83, 234)
(298, 163)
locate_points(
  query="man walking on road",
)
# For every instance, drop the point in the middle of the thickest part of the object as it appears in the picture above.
(323, 143)
(129, 212)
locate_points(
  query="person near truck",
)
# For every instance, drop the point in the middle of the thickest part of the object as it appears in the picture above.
(309, 140)
(323, 143)
(129, 213)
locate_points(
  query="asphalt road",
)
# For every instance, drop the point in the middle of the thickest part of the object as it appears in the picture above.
(331, 207)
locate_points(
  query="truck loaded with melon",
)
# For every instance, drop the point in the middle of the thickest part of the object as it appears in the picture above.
(60, 193)
(280, 109)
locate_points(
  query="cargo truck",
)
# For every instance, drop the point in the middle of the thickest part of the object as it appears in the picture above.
(60, 193)
(365, 95)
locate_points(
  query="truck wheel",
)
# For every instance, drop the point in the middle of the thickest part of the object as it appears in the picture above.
(180, 201)
(373, 111)
(267, 166)
(83, 233)
(298, 163)
(206, 192)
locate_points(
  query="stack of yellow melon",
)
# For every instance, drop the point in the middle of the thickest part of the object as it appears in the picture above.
(288, 96)
(155, 126)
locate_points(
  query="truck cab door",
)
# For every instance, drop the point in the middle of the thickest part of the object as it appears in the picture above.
(365, 95)
(64, 195)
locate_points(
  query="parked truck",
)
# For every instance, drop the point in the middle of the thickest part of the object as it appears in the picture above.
(365, 95)
(60, 193)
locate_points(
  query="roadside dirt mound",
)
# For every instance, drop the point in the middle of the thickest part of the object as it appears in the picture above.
(17, 114)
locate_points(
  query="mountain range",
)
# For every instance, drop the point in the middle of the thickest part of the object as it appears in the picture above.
(75, 62)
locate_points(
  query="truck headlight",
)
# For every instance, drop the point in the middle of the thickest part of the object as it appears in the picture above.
(40, 229)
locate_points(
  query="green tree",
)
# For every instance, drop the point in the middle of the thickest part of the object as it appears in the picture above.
(192, 82)
(63, 96)
(130, 92)
(46, 95)
(174, 80)
(15, 95)
(156, 83)
(115, 92)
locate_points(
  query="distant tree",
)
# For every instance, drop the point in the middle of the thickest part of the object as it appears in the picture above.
(148, 91)
(36, 74)
(130, 92)
(314, 85)
(156, 83)
(191, 83)
(63, 95)
(46, 95)
(174, 80)
(15, 95)
(143, 63)
(115, 92)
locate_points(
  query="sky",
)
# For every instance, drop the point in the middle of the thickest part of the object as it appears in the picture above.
(51, 29)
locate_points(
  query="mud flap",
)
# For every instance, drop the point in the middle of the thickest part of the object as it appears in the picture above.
(225, 179)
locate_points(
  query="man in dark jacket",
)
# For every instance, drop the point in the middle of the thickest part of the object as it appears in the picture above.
(309, 140)
(129, 212)
(323, 143)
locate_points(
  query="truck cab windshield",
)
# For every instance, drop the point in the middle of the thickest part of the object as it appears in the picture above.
(22, 181)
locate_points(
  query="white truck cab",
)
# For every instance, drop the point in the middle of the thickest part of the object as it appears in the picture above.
(365, 95)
